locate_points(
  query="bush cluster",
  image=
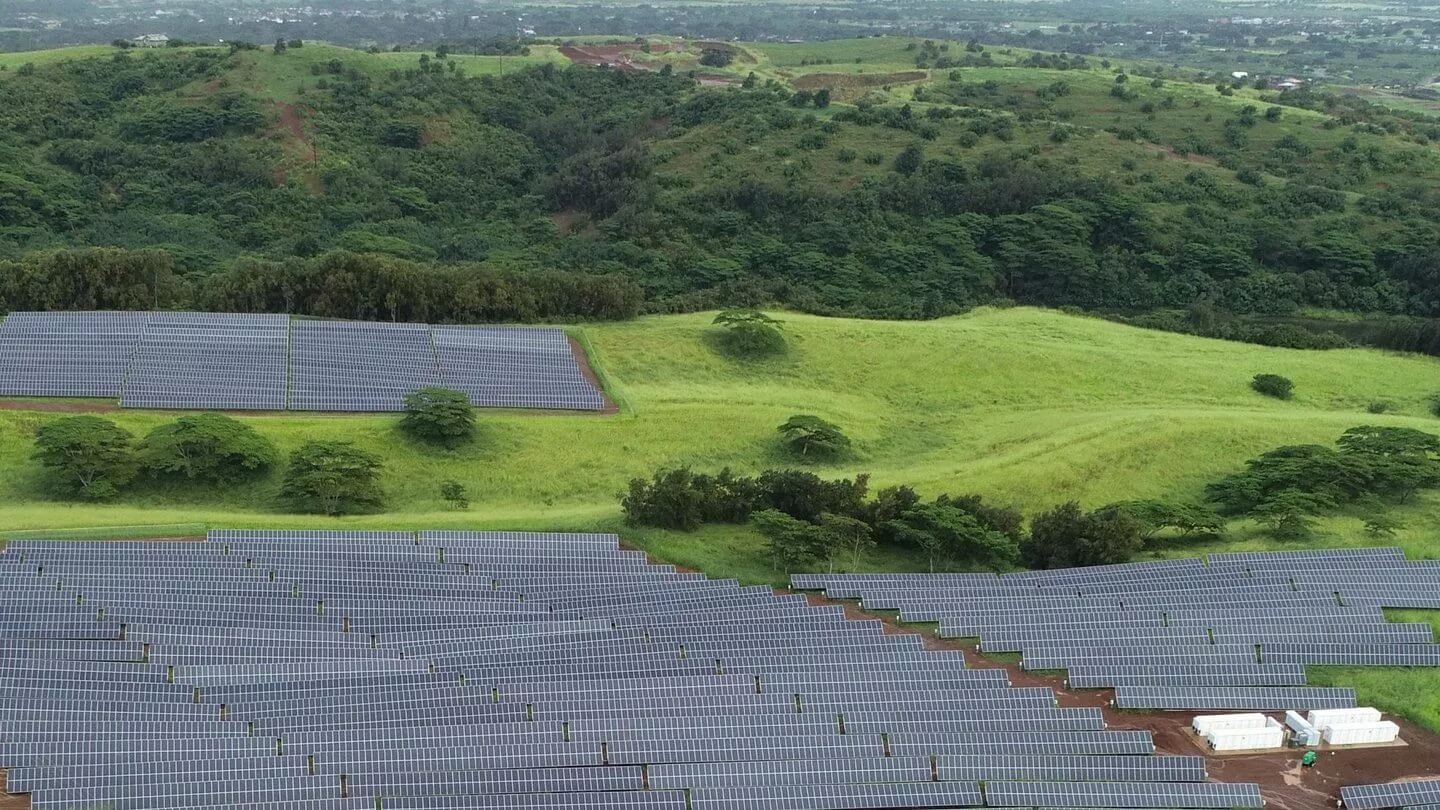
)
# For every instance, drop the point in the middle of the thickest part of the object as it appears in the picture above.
(806, 519)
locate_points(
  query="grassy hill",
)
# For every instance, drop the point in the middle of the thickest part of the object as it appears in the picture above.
(1025, 406)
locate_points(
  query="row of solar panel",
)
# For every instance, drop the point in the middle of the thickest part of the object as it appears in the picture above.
(269, 362)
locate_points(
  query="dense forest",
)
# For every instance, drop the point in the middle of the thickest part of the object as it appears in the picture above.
(562, 191)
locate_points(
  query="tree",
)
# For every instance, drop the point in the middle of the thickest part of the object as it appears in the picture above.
(1273, 385)
(86, 456)
(846, 533)
(207, 447)
(454, 494)
(1287, 514)
(1398, 460)
(909, 159)
(439, 416)
(811, 436)
(280, 46)
(949, 534)
(1273, 113)
(716, 57)
(822, 98)
(669, 500)
(1185, 518)
(332, 478)
(790, 543)
(1065, 537)
(749, 334)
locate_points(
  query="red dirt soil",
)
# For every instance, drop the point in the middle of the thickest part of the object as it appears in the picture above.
(597, 55)
(57, 406)
(584, 361)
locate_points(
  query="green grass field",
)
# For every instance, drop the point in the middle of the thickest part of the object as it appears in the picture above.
(1028, 407)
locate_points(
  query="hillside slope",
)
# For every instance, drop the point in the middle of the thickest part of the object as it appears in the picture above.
(1026, 406)
(855, 177)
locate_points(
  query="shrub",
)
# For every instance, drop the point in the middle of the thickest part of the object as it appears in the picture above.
(86, 456)
(1273, 385)
(208, 447)
(748, 334)
(439, 416)
(811, 436)
(454, 494)
(332, 478)
(1378, 406)
(1064, 537)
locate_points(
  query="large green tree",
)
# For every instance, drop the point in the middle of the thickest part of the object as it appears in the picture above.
(810, 436)
(333, 478)
(208, 447)
(86, 456)
(1066, 536)
(439, 416)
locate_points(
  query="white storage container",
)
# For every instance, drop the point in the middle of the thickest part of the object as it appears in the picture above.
(1362, 733)
(1304, 733)
(1342, 717)
(1206, 723)
(1247, 739)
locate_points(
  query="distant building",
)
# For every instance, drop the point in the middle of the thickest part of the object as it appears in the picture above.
(150, 41)
(1240, 74)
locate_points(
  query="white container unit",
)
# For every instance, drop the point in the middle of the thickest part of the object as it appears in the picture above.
(1321, 718)
(1362, 733)
(1302, 732)
(1206, 723)
(1247, 739)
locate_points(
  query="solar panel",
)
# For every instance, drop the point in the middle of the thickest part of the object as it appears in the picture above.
(205, 361)
(1120, 794)
(514, 368)
(1239, 698)
(67, 354)
(1394, 794)
(354, 366)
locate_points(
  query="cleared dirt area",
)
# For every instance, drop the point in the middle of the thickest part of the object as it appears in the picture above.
(57, 406)
(584, 361)
(1283, 781)
(598, 55)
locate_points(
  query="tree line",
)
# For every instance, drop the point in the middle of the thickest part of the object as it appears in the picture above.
(807, 520)
(338, 284)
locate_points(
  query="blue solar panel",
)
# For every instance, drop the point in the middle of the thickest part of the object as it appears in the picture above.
(353, 366)
(514, 368)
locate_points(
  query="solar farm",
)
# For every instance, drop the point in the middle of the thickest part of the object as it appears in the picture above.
(1232, 632)
(193, 360)
(447, 670)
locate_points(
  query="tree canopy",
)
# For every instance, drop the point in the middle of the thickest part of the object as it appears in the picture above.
(208, 447)
(332, 478)
(440, 416)
(86, 457)
(810, 436)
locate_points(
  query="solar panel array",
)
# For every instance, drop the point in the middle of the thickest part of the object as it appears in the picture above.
(1417, 793)
(1234, 631)
(353, 366)
(200, 361)
(451, 670)
(67, 354)
(517, 368)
